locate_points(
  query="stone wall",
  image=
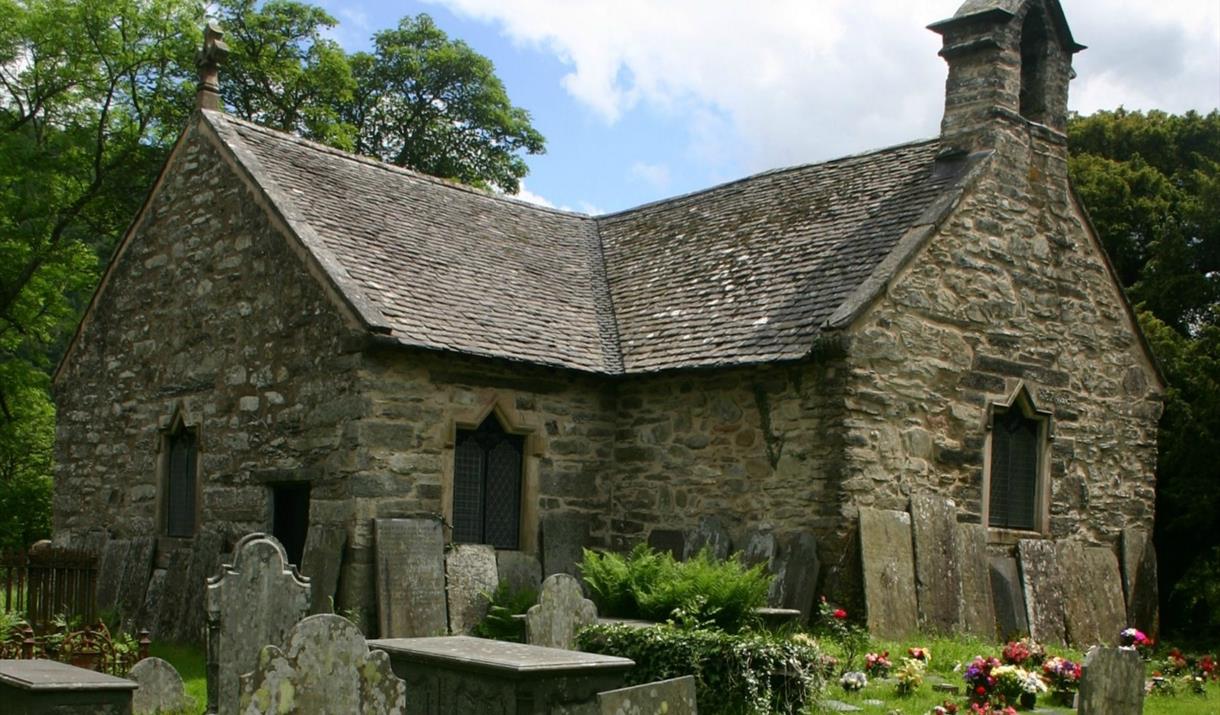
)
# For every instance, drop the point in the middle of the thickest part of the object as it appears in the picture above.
(209, 313)
(1011, 290)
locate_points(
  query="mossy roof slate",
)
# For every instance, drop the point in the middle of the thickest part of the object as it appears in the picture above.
(747, 272)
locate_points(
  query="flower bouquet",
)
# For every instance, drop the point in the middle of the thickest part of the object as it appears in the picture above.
(980, 683)
(853, 681)
(1063, 678)
(878, 665)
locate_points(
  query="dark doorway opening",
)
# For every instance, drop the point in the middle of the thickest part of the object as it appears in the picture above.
(290, 518)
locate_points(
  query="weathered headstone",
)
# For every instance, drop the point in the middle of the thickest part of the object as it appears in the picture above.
(887, 562)
(410, 577)
(710, 535)
(796, 572)
(521, 571)
(561, 610)
(134, 582)
(669, 541)
(471, 577)
(1139, 581)
(978, 607)
(761, 547)
(324, 666)
(206, 555)
(110, 573)
(1044, 593)
(174, 590)
(1111, 683)
(321, 560)
(150, 610)
(667, 697)
(564, 536)
(1093, 610)
(938, 581)
(253, 602)
(159, 689)
(1008, 596)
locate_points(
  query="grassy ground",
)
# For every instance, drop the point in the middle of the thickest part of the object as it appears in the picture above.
(191, 664)
(950, 658)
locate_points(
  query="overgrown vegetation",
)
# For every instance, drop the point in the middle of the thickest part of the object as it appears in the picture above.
(734, 673)
(653, 586)
(503, 604)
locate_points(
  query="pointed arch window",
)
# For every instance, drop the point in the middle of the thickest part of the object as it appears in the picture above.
(487, 485)
(1017, 465)
(181, 484)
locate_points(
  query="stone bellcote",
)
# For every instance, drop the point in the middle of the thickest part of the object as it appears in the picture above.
(1010, 61)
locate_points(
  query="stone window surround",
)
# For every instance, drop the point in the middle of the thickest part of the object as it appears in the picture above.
(515, 423)
(1021, 397)
(179, 418)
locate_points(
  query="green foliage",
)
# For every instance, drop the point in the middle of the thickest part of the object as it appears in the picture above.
(504, 603)
(654, 586)
(745, 673)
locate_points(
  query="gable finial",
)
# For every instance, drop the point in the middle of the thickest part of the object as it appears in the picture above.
(208, 62)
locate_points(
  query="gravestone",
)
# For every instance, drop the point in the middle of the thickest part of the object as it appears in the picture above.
(1139, 581)
(564, 536)
(561, 610)
(796, 572)
(938, 581)
(172, 601)
(1095, 613)
(159, 688)
(207, 551)
(410, 577)
(110, 573)
(670, 697)
(324, 666)
(321, 560)
(978, 607)
(471, 577)
(47, 687)
(710, 535)
(1111, 683)
(761, 547)
(134, 582)
(670, 541)
(150, 610)
(887, 562)
(1008, 597)
(521, 571)
(253, 602)
(1044, 593)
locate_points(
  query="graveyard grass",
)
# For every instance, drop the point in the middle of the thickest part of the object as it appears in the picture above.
(191, 664)
(948, 653)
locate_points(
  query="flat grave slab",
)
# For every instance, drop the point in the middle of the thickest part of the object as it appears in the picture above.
(34, 687)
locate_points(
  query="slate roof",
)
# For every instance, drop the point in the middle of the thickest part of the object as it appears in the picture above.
(746, 272)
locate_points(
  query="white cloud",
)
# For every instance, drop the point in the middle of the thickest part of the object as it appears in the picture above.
(529, 196)
(786, 81)
(655, 175)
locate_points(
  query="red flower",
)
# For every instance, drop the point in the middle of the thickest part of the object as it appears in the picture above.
(981, 690)
(840, 614)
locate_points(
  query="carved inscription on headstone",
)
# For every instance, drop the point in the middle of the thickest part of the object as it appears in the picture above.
(887, 561)
(471, 578)
(978, 607)
(410, 577)
(253, 602)
(938, 582)
(1043, 586)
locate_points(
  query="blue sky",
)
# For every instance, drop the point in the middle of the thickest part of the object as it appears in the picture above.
(644, 99)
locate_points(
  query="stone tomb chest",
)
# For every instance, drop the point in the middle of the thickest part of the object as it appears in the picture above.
(33, 687)
(451, 675)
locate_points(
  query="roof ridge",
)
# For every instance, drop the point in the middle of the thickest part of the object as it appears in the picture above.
(603, 302)
(767, 172)
(393, 168)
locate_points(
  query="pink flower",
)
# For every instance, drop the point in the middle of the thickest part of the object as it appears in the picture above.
(840, 614)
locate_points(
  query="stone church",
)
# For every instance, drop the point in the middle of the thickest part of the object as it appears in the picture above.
(292, 338)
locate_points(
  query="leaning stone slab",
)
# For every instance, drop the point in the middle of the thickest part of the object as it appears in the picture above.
(170, 606)
(206, 555)
(521, 571)
(324, 666)
(710, 535)
(253, 602)
(159, 689)
(410, 577)
(134, 584)
(978, 607)
(1111, 683)
(761, 547)
(887, 562)
(795, 568)
(110, 573)
(564, 537)
(938, 581)
(471, 577)
(1011, 615)
(1043, 586)
(1093, 610)
(561, 610)
(321, 560)
(671, 697)
(1139, 581)
(669, 541)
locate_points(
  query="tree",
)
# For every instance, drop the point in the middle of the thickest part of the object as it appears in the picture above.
(1151, 183)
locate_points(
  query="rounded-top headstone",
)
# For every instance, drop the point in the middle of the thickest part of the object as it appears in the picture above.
(159, 688)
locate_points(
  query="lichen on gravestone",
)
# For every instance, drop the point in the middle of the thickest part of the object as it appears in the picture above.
(159, 688)
(561, 611)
